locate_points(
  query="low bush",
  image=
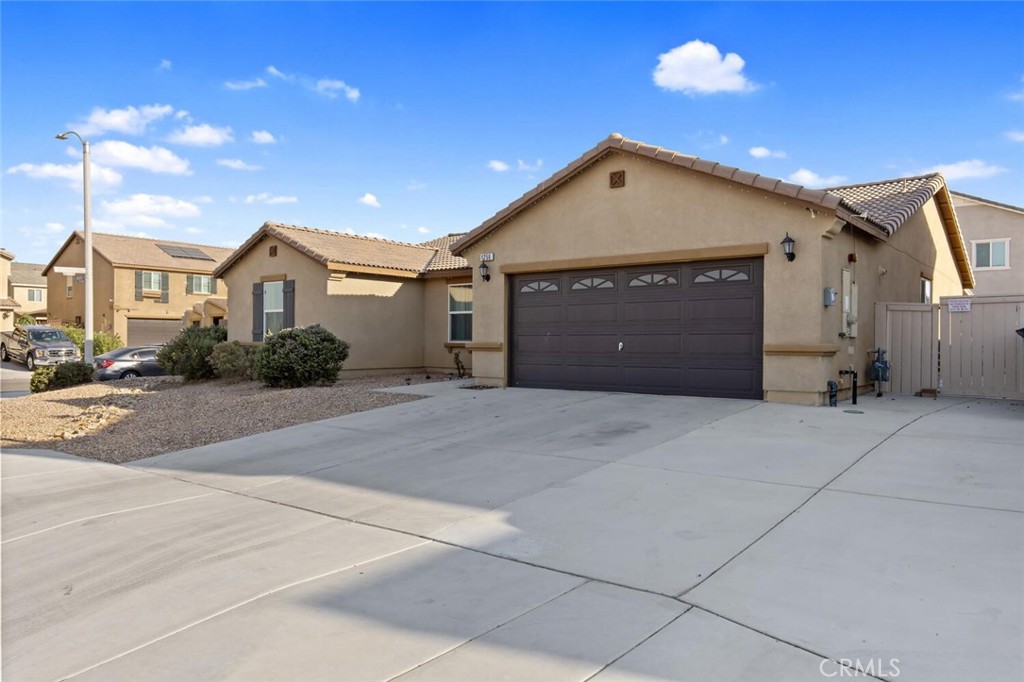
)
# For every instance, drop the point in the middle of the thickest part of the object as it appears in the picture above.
(233, 360)
(187, 354)
(25, 320)
(308, 356)
(102, 342)
(60, 376)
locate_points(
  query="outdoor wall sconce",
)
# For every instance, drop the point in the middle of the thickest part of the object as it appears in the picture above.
(485, 272)
(787, 247)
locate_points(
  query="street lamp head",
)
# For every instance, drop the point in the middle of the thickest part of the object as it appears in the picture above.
(61, 136)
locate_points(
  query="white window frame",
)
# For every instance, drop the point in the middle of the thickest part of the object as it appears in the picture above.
(460, 312)
(926, 287)
(275, 310)
(35, 295)
(155, 280)
(207, 284)
(1006, 253)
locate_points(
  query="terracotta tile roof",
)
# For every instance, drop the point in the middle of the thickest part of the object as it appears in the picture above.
(9, 303)
(143, 252)
(889, 203)
(30, 274)
(444, 259)
(329, 247)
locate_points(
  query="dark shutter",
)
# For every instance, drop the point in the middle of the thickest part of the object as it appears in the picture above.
(190, 287)
(213, 285)
(257, 311)
(289, 303)
(165, 282)
(138, 285)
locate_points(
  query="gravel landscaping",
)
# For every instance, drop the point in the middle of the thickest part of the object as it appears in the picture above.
(121, 421)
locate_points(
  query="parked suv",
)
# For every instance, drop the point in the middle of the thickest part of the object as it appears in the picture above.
(36, 346)
(127, 363)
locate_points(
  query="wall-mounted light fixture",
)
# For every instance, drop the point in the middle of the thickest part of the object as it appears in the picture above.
(485, 272)
(787, 248)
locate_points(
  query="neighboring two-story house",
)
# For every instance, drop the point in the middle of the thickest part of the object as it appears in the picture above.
(140, 285)
(27, 287)
(8, 306)
(992, 232)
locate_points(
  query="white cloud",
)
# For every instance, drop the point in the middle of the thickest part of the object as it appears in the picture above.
(369, 200)
(128, 121)
(1017, 96)
(204, 135)
(1015, 135)
(121, 154)
(265, 198)
(263, 137)
(277, 73)
(811, 179)
(973, 168)
(497, 166)
(422, 230)
(181, 114)
(765, 153)
(329, 88)
(149, 210)
(245, 85)
(54, 228)
(238, 164)
(416, 185)
(165, 65)
(101, 178)
(527, 168)
(698, 68)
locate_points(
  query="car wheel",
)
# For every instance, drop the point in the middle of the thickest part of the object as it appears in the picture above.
(130, 374)
(30, 363)
(4, 355)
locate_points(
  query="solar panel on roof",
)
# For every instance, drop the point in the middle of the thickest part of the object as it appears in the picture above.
(184, 252)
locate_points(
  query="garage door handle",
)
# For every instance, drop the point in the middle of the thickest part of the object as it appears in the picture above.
(620, 345)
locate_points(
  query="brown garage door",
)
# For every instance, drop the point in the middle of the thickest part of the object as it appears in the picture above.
(688, 328)
(152, 332)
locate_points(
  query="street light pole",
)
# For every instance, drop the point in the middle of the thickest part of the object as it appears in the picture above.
(87, 318)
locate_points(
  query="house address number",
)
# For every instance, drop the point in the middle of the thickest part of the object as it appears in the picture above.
(487, 256)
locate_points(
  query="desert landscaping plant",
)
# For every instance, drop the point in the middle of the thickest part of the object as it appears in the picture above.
(60, 376)
(24, 320)
(102, 342)
(187, 354)
(233, 360)
(307, 356)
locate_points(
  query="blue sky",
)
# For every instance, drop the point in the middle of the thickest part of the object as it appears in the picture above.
(410, 121)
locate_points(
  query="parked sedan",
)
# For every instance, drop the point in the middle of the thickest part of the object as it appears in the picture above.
(127, 363)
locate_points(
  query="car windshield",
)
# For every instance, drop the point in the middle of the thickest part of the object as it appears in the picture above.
(45, 335)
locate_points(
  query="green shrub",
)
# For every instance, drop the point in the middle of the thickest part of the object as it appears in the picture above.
(233, 360)
(102, 342)
(310, 356)
(60, 376)
(188, 353)
(24, 320)
(41, 379)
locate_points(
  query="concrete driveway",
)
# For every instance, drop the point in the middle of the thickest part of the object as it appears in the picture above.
(14, 380)
(534, 535)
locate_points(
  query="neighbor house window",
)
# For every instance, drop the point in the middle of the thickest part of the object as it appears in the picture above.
(926, 290)
(70, 291)
(152, 281)
(992, 254)
(35, 295)
(202, 284)
(460, 312)
(273, 307)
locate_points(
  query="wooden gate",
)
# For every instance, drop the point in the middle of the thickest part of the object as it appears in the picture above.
(962, 346)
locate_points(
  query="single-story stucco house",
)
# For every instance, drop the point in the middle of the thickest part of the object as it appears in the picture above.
(399, 306)
(636, 268)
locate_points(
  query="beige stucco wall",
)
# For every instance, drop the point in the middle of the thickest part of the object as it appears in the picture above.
(19, 292)
(114, 294)
(381, 317)
(8, 316)
(664, 208)
(982, 222)
(438, 353)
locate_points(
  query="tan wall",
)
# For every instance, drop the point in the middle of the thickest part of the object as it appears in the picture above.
(8, 317)
(114, 295)
(664, 208)
(438, 353)
(982, 222)
(20, 294)
(380, 317)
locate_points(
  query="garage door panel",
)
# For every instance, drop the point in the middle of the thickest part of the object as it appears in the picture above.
(151, 332)
(691, 328)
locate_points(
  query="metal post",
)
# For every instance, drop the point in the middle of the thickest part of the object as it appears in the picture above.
(88, 317)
